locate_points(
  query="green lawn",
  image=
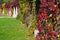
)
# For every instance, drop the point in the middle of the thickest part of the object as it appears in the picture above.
(12, 29)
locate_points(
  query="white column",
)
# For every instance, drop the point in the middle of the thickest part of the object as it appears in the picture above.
(10, 12)
(14, 12)
(3, 12)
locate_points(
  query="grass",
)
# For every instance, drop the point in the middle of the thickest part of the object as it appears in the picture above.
(12, 29)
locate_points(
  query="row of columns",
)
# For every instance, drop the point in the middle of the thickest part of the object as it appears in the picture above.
(13, 12)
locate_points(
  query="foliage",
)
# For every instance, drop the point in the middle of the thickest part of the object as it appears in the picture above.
(1, 1)
(23, 6)
(7, 1)
(5, 11)
(7, 5)
(3, 5)
(33, 22)
(15, 3)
